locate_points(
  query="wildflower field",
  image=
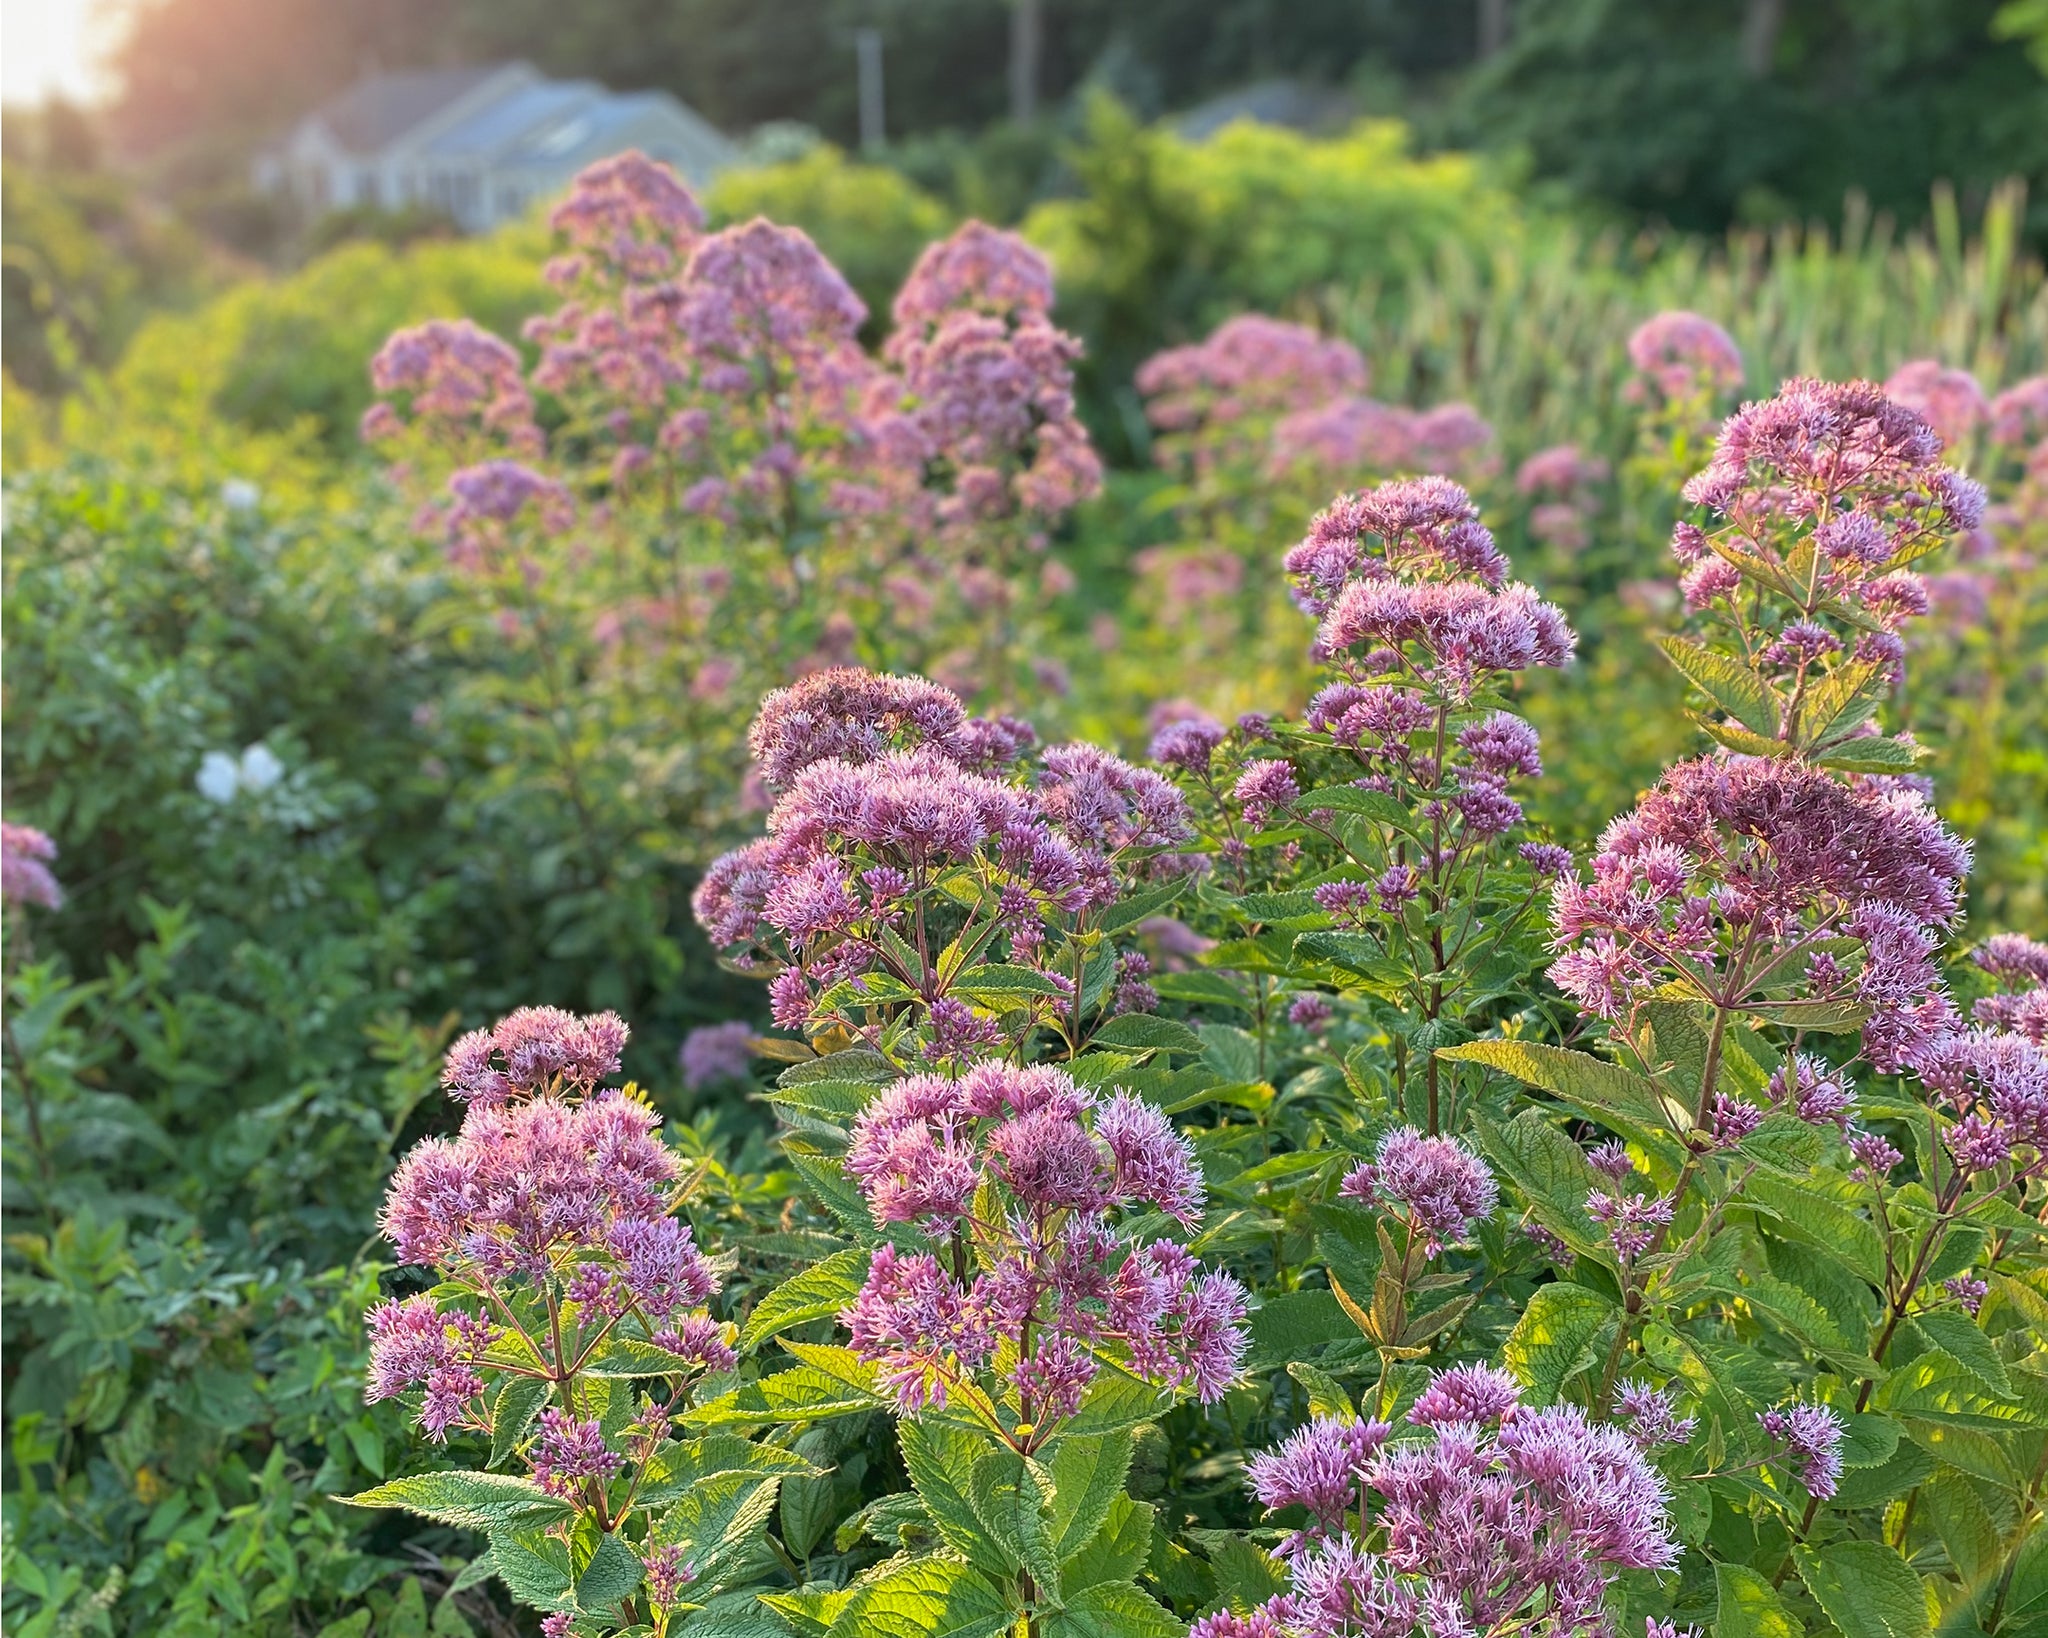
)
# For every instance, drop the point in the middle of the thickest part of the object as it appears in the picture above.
(1331, 926)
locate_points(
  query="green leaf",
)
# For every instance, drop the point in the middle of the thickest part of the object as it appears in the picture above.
(1116, 1400)
(939, 1460)
(1728, 683)
(926, 1598)
(818, 1292)
(1011, 1496)
(678, 1468)
(1958, 1336)
(1127, 913)
(1870, 756)
(1558, 1335)
(1000, 980)
(1351, 799)
(805, 1394)
(1144, 1030)
(612, 1574)
(719, 1520)
(1325, 1397)
(1748, 1607)
(1549, 1169)
(1805, 1210)
(1868, 1440)
(534, 1567)
(1828, 1017)
(1966, 1529)
(1112, 1609)
(518, 1403)
(1867, 1590)
(1287, 1326)
(1117, 1552)
(1086, 1474)
(1602, 1091)
(473, 1501)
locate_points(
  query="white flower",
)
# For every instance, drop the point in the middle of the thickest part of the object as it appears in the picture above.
(240, 495)
(219, 777)
(260, 768)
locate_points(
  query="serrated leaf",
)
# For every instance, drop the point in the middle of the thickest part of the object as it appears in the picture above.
(1828, 1017)
(534, 1567)
(1011, 1496)
(1549, 1169)
(1325, 1397)
(678, 1468)
(1127, 913)
(1296, 1322)
(1117, 1551)
(1728, 683)
(613, 1573)
(1966, 1529)
(819, 1292)
(1112, 1609)
(1870, 756)
(518, 1403)
(1747, 1607)
(1352, 799)
(473, 1501)
(939, 1459)
(1000, 980)
(1830, 1225)
(1867, 1590)
(925, 1598)
(1086, 1473)
(1602, 1091)
(1557, 1336)
(1958, 1336)
(1146, 1031)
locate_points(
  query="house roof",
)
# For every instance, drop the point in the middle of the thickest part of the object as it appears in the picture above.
(505, 122)
(377, 111)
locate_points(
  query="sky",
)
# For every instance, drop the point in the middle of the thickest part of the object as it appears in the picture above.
(50, 45)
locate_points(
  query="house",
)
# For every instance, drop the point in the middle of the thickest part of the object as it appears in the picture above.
(481, 144)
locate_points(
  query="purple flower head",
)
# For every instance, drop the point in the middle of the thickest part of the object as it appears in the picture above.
(850, 715)
(913, 1322)
(1503, 745)
(981, 268)
(1321, 1467)
(2013, 959)
(1651, 1416)
(1262, 787)
(456, 380)
(1103, 802)
(1949, 400)
(1611, 1161)
(1811, 1440)
(1874, 1156)
(1818, 1092)
(1441, 1185)
(1632, 1221)
(716, 1052)
(1150, 1161)
(1680, 354)
(25, 875)
(1310, 1011)
(1187, 743)
(1968, 1291)
(533, 1050)
(569, 1450)
(1466, 1393)
(629, 217)
(668, 1573)
(1561, 471)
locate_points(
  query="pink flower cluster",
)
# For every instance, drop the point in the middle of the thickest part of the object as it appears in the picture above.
(1564, 485)
(1023, 1168)
(987, 407)
(1215, 401)
(1737, 877)
(1948, 400)
(1351, 437)
(1680, 356)
(881, 795)
(1408, 586)
(25, 874)
(1440, 1188)
(716, 1052)
(454, 379)
(1839, 470)
(1503, 1512)
(552, 1181)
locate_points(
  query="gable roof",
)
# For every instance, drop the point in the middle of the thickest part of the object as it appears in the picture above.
(377, 111)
